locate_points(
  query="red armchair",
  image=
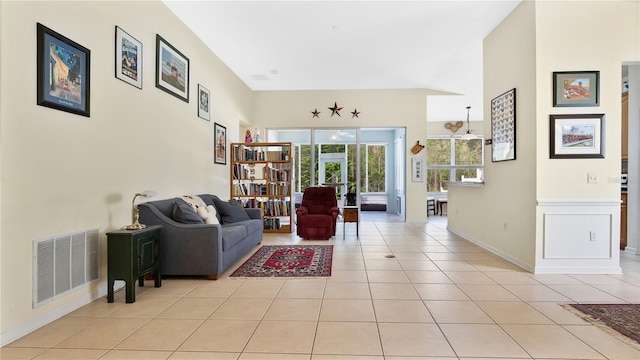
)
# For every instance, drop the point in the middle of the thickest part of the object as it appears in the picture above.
(318, 213)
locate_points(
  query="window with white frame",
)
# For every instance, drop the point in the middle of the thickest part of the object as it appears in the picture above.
(453, 159)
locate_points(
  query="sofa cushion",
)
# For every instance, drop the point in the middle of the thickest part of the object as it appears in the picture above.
(183, 213)
(231, 211)
(232, 234)
(253, 225)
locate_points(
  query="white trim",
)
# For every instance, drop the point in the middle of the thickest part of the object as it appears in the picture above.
(632, 251)
(14, 334)
(579, 202)
(494, 250)
(589, 270)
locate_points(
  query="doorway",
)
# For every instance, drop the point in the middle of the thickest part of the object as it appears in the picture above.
(332, 171)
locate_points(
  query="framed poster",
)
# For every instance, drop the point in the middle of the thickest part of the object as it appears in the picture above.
(128, 58)
(578, 136)
(204, 101)
(503, 126)
(220, 144)
(63, 72)
(576, 88)
(417, 169)
(172, 70)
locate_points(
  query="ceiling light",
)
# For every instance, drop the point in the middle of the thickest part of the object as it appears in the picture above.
(469, 134)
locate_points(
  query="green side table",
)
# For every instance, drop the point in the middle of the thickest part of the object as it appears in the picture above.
(133, 254)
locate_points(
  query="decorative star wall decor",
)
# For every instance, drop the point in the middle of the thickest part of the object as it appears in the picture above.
(355, 113)
(335, 110)
(315, 113)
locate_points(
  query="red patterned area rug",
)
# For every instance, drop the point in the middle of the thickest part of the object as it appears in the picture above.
(288, 261)
(623, 318)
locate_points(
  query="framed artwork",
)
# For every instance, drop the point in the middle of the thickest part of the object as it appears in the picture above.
(172, 70)
(128, 58)
(220, 145)
(503, 126)
(576, 88)
(204, 101)
(578, 136)
(63, 72)
(417, 169)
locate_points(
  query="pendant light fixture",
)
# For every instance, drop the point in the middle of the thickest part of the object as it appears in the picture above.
(469, 134)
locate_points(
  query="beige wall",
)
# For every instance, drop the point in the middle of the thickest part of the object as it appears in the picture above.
(63, 173)
(523, 52)
(501, 215)
(384, 108)
(608, 36)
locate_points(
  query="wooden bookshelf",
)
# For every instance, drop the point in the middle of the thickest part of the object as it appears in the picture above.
(261, 178)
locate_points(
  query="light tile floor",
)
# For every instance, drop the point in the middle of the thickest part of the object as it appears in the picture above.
(440, 298)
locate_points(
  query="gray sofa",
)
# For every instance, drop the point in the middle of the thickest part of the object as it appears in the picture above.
(200, 249)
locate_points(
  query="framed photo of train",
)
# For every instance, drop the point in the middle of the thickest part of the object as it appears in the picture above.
(579, 136)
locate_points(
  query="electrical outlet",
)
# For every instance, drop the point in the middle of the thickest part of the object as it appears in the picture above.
(456, 211)
(504, 226)
(592, 236)
(593, 178)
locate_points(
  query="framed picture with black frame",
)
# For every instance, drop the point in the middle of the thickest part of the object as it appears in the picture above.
(63, 72)
(576, 88)
(503, 126)
(172, 70)
(579, 136)
(220, 144)
(204, 103)
(128, 54)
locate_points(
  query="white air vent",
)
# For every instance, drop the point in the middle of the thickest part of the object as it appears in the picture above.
(63, 263)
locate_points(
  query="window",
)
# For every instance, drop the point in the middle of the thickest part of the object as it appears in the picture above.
(453, 159)
(373, 171)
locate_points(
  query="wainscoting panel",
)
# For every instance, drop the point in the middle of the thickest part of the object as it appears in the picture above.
(578, 237)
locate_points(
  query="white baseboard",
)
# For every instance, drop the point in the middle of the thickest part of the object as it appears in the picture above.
(14, 334)
(494, 250)
(632, 251)
(582, 270)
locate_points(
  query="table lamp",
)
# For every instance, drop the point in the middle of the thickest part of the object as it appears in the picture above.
(136, 213)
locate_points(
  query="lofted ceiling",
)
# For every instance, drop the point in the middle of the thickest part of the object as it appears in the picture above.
(331, 45)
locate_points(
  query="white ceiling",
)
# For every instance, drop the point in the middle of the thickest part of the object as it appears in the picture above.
(328, 45)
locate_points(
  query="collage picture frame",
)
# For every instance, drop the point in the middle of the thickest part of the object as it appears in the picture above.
(503, 126)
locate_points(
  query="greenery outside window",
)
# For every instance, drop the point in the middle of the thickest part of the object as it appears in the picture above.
(453, 159)
(373, 159)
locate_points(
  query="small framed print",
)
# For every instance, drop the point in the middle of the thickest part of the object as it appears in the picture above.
(63, 72)
(578, 136)
(417, 169)
(220, 144)
(576, 88)
(172, 70)
(204, 103)
(128, 58)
